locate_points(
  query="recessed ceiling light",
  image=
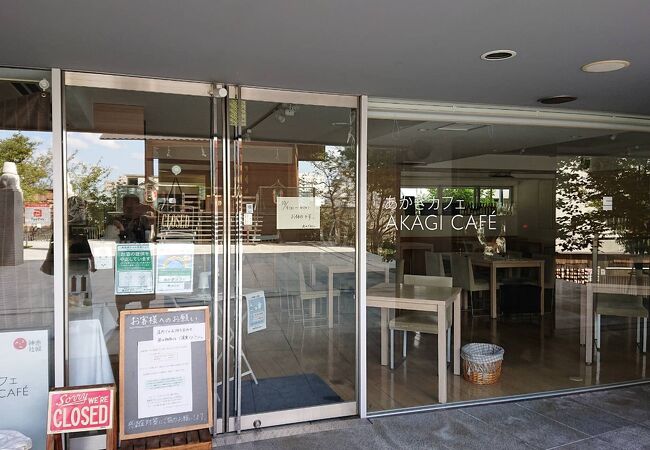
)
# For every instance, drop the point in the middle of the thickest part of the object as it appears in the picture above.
(557, 99)
(498, 55)
(608, 65)
(423, 130)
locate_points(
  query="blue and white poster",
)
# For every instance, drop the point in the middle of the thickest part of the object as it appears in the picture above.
(24, 386)
(256, 308)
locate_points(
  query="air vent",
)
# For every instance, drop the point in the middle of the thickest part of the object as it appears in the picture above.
(25, 89)
(557, 99)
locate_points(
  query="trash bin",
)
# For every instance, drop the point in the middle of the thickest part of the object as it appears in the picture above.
(13, 440)
(482, 362)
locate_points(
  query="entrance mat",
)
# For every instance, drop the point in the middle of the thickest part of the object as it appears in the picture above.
(276, 394)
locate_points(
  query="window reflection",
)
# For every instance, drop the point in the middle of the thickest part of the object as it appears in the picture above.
(544, 231)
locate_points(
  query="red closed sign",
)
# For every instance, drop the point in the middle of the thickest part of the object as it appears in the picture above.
(86, 409)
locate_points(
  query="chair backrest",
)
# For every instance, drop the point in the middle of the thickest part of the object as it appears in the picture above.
(301, 279)
(460, 272)
(433, 264)
(399, 271)
(426, 280)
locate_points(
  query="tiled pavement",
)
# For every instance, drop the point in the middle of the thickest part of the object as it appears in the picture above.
(611, 419)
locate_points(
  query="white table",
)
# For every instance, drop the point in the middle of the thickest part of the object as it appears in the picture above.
(339, 268)
(506, 263)
(421, 298)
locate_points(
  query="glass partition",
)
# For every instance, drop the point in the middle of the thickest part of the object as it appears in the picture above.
(543, 233)
(26, 251)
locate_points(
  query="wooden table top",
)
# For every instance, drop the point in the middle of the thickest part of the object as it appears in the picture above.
(407, 296)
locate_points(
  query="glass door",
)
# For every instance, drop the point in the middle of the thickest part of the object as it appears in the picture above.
(292, 258)
(143, 185)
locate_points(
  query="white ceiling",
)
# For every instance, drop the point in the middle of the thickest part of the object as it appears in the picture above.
(417, 49)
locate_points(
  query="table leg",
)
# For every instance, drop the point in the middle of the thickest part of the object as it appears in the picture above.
(330, 299)
(589, 326)
(456, 323)
(384, 336)
(583, 306)
(442, 355)
(493, 290)
(541, 282)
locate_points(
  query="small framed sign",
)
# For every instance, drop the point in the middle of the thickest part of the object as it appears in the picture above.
(79, 409)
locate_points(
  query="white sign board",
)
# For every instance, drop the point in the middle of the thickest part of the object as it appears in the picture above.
(607, 203)
(37, 214)
(164, 378)
(174, 268)
(24, 385)
(297, 213)
(103, 252)
(256, 309)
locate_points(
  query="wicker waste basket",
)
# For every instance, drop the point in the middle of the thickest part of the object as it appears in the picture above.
(482, 362)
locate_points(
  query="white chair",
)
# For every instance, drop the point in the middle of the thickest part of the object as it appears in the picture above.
(434, 264)
(622, 305)
(300, 293)
(462, 273)
(417, 321)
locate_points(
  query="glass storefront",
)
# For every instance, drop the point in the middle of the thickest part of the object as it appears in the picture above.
(539, 227)
(26, 250)
(516, 231)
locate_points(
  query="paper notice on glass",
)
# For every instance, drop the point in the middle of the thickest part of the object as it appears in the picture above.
(190, 332)
(297, 213)
(133, 269)
(607, 204)
(164, 378)
(174, 268)
(256, 309)
(103, 253)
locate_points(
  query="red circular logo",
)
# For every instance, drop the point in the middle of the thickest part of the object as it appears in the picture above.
(20, 343)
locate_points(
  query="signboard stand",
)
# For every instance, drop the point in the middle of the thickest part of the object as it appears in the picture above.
(165, 373)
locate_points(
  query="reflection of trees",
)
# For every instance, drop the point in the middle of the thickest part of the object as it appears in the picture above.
(88, 182)
(382, 185)
(582, 183)
(34, 170)
(335, 183)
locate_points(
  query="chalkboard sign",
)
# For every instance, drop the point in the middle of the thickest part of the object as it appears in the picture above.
(165, 371)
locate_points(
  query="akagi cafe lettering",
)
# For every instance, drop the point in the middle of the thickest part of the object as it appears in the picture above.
(434, 223)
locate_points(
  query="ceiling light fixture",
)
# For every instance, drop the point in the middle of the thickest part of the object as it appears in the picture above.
(459, 127)
(607, 65)
(423, 130)
(498, 55)
(557, 99)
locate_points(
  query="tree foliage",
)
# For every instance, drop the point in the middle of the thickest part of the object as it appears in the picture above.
(34, 170)
(581, 185)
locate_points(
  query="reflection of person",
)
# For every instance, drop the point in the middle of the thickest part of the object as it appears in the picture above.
(80, 255)
(137, 220)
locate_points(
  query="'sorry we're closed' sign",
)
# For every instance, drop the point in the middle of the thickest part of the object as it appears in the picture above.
(87, 409)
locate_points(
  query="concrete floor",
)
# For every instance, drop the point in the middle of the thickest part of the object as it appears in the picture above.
(612, 419)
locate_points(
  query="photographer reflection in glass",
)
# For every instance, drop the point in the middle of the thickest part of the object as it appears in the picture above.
(137, 220)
